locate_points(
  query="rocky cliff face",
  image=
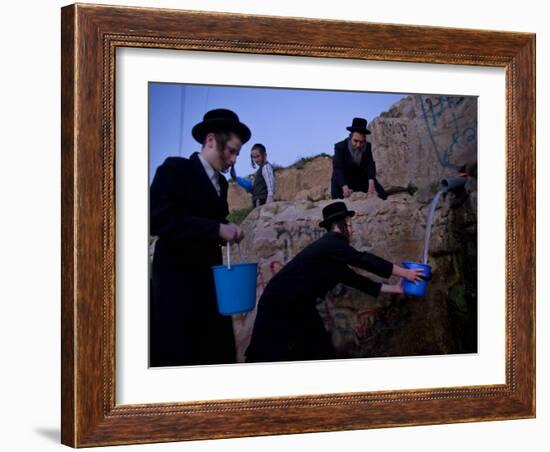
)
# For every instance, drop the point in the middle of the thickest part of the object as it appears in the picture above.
(423, 139)
(361, 325)
(307, 179)
(419, 141)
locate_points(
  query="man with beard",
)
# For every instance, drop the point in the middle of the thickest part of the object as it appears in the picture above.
(353, 168)
(188, 210)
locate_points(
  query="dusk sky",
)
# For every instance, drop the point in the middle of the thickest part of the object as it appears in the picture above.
(291, 123)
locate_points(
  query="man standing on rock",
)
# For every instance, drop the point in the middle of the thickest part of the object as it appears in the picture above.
(353, 168)
(288, 326)
(188, 210)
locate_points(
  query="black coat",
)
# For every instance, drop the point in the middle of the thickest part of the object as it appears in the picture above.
(346, 172)
(185, 213)
(288, 326)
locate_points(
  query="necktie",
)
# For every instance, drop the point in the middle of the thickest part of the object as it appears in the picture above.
(216, 182)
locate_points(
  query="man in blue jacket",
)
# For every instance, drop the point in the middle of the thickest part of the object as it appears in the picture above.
(188, 211)
(353, 168)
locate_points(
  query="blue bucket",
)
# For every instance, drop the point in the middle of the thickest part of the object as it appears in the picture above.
(235, 286)
(417, 289)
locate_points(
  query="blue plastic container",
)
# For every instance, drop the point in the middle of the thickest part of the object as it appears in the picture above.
(235, 287)
(417, 289)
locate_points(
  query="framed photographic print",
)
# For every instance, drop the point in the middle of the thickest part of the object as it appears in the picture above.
(271, 226)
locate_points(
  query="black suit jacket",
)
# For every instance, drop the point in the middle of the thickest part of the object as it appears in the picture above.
(288, 326)
(346, 172)
(185, 213)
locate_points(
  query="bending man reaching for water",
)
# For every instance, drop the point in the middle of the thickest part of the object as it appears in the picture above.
(288, 326)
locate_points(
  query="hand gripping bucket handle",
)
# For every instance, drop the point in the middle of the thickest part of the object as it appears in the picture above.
(235, 285)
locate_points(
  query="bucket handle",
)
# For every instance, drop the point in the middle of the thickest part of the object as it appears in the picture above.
(228, 250)
(228, 247)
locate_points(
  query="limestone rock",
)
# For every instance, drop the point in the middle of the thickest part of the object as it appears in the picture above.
(423, 139)
(392, 229)
(307, 179)
(420, 140)
(237, 197)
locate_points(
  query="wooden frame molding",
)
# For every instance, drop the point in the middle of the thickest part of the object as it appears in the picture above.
(90, 36)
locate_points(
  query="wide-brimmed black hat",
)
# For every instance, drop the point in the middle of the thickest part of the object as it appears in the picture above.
(220, 120)
(334, 212)
(359, 125)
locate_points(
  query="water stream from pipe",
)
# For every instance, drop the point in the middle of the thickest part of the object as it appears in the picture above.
(429, 222)
(449, 184)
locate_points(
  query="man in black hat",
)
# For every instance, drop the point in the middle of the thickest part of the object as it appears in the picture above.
(288, 326)
(353, 168)
(188, 210)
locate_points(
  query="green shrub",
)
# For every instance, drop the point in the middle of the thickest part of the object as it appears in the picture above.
(237, 216)
(299, 164)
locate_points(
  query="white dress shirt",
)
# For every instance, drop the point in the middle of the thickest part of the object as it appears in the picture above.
(269, 177)
(211, 173)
